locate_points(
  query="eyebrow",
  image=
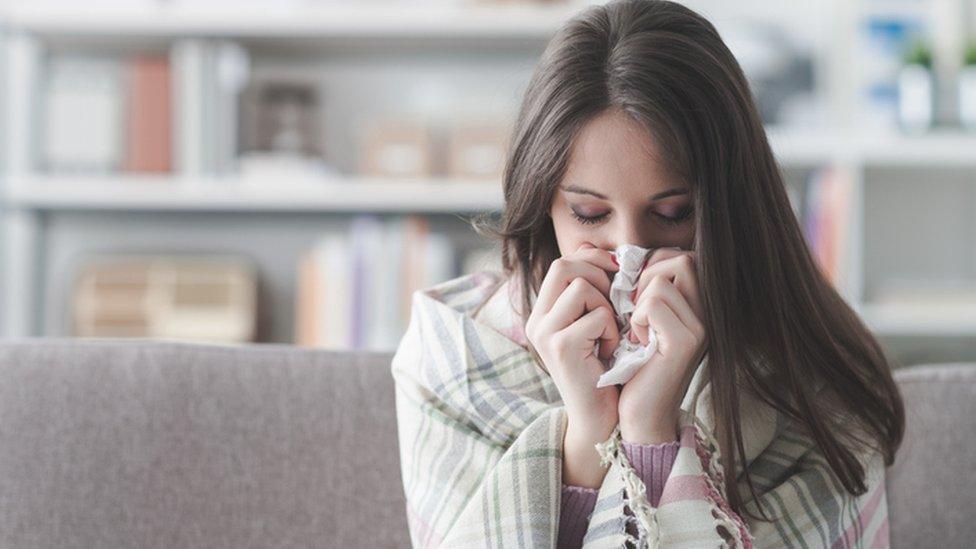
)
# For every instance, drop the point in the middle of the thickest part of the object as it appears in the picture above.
(664, 194)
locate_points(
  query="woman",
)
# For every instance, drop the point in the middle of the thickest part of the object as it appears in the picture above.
(768, 412)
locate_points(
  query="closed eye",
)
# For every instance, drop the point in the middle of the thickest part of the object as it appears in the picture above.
(589, 220)
(683, 215)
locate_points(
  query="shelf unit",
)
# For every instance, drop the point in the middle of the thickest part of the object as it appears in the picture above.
(31, 198)
(36, 201)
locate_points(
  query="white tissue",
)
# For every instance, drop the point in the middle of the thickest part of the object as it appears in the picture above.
(627, 357)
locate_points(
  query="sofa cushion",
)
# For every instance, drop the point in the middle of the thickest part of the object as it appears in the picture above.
(932, 484)
(126, 443)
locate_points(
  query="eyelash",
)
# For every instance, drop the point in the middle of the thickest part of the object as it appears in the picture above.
(671, 221)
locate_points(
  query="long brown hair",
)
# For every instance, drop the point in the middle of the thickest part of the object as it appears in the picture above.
(768, 307)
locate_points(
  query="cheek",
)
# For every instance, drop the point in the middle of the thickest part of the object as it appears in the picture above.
(569, 235)
(689, 238)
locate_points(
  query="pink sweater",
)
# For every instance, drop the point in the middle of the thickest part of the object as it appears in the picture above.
(651, 461)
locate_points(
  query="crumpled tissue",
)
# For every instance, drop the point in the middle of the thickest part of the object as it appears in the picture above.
(628, 357)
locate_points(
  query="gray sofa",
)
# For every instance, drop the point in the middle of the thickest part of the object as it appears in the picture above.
(134, 443)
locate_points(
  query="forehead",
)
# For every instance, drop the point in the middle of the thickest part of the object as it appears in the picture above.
(613, 152)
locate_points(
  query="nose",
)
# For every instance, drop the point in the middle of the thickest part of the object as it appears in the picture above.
(632, 231)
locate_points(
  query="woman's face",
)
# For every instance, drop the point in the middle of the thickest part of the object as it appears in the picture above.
(615, 179)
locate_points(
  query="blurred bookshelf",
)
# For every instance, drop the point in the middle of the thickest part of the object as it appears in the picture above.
(388, 125)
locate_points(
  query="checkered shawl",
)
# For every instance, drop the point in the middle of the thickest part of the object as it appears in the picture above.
(481, 427)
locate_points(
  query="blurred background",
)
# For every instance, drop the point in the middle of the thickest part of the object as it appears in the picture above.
(289, 171)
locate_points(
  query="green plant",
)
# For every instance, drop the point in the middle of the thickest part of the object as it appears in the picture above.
(969, 56)
(919, 53)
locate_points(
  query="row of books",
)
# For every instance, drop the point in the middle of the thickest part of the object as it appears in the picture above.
(825, 208)
(201, 108)
(103, 115)
(146, 113)
(354, 288)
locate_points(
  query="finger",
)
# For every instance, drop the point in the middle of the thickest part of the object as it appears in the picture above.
(660, 254)
(562, 272)
(579, 298)
(602, 259)
(591, 264)
(598, 256)
(596, 325)
(666, 324)
(686, 281)
(662, 288)
(680, 269)
(656, 256)
(607, 346)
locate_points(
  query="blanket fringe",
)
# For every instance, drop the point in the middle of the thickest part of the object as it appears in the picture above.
(707, 449)
(635, 494)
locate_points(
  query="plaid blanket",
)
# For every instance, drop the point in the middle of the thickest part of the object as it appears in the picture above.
(481, 426)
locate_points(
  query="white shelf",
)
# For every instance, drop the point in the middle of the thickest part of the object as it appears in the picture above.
(386, 20)
(931, 320)
(124, 192)
(271, 195)
(936, 148)
(804, 147)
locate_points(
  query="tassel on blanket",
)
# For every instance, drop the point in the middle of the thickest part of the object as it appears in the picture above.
(635, 494)
(707, 449)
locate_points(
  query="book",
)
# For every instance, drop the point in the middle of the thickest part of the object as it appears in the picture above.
(367, 261)
(82, 115)
(826, 209)
(149, 116)
(336, 299)
(188, 60)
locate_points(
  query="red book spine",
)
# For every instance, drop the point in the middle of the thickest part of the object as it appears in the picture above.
(149, 117)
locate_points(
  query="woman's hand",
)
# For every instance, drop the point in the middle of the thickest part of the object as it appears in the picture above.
(667, 298)
(571, 314)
